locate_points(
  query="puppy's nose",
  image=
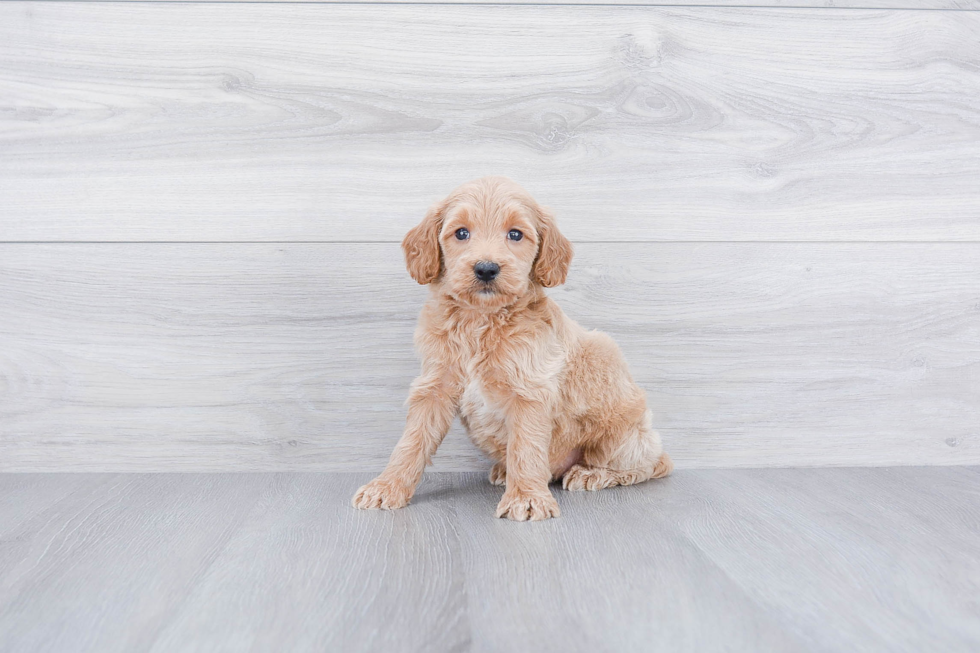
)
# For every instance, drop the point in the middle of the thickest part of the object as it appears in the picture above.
(486, 270)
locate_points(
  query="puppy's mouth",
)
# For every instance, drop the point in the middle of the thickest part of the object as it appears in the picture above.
(486, 287)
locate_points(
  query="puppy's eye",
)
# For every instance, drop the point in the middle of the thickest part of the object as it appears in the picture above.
(462, 233)
(514, 234)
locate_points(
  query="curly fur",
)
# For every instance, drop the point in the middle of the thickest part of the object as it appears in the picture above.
(543, 397)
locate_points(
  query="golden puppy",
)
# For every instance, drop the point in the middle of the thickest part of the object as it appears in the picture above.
(542, 396)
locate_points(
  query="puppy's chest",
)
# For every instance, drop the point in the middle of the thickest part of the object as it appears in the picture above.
(492, 362)
(484, 394)
(483, 416)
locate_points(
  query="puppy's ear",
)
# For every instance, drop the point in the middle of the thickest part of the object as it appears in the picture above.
(554, 252)
(423, 257)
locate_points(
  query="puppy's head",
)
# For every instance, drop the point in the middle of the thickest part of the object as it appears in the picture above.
(488, 243)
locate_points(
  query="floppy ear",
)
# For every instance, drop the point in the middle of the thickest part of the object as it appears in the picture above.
(423, 258)
(554, 252)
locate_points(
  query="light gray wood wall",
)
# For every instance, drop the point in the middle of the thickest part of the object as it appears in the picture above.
(270, 356)
(257, 122)
(776, 213)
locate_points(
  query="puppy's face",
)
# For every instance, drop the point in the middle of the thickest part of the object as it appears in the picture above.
(488, 253)
(488, 243)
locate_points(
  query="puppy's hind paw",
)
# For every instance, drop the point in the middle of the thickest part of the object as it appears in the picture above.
(519, 506)
(382, 493)
(498, 474)
(579, 477)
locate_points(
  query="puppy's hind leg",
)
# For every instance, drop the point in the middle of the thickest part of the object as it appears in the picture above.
(635, 457)
(498, 473)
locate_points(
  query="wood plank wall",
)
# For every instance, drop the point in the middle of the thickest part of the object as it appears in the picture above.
(776, 211)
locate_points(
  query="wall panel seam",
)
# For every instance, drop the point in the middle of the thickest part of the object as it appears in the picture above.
(575, 242)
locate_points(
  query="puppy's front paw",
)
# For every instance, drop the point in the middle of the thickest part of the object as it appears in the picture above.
(498, 474)
(522, 506)
(382, 493)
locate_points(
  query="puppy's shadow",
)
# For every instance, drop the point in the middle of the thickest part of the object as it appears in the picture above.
(451, 486)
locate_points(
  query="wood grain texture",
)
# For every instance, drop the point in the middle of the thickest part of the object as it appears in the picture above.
(102, 569)
(211, 357)
(210, 122)
(612, 573)
(824, 543)
(307, 573)
(775, 560)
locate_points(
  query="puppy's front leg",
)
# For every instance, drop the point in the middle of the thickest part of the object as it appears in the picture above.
(432, 405)
(527, 496)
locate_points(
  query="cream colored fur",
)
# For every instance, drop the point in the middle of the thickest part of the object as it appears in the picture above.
(539, 394)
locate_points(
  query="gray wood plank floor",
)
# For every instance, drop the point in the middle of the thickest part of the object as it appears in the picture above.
(850, 560)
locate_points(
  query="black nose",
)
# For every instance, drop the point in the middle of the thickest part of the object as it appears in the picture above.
(486, 270)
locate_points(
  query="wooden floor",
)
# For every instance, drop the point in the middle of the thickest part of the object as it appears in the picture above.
(875, 559)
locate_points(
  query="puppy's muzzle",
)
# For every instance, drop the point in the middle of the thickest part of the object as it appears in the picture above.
(486, 271)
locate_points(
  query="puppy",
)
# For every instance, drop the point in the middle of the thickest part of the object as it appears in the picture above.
(542, 396)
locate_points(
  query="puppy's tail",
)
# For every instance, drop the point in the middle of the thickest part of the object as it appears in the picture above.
(663, 467)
